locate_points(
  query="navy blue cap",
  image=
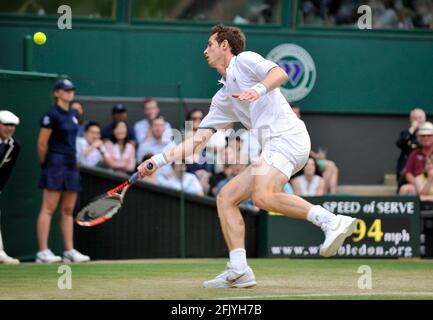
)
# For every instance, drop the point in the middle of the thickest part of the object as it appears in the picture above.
(64, 84)
(118, 108)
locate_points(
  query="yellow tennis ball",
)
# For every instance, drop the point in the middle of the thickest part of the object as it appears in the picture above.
(39, 38)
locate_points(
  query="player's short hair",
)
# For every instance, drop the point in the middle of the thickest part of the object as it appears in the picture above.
(234, 36)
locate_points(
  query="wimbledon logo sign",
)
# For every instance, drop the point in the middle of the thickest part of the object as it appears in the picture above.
(299, 67)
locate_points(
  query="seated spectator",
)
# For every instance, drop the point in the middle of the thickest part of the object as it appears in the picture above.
(197, 163)
(120, 155)
(217, 178)
(416, 161)
(142, 128)
(198, 160)
(424, 181)
(407, 142)
(118, 113)
(90, 149)
(309, 183)
(325, 167)
(401, 14)
(179, 179)
(154, 142)
(225, 160)
(216, 148)
(79, 107)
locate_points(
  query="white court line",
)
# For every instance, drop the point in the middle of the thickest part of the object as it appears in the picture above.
(325, 295)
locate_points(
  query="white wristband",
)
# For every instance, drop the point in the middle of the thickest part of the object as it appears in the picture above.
(260, 88)
(159, 159)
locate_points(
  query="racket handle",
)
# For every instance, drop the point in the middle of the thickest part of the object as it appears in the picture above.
(133, 179)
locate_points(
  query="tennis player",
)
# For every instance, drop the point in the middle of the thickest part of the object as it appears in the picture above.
(250, 94)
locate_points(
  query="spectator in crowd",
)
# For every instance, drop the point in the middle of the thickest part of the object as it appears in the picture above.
(216, 148)
(118, 113)
(197, 163)
(309, 183)
(407, 142)
(225, 161)
(120, 152)
(424, 181)
(402, 14)
(179, 179)
(142, 128)
(91, 151)
(9, 151)
(423, 13)
(325, 167)
(154, 141)
(416, 162)
(218, 177)
(76, 105)
(60, 179)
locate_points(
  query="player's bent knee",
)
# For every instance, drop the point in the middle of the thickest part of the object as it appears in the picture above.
(226, 198)
(261, 200)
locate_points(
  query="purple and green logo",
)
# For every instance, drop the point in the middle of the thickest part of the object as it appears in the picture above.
(300, 68)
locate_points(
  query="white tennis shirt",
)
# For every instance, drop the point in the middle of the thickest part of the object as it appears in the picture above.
(271, 111)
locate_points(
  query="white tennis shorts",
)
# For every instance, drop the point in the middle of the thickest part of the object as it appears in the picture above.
(288, 151)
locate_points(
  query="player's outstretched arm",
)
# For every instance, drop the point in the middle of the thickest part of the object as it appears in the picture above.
(275, 77)
(177, 153)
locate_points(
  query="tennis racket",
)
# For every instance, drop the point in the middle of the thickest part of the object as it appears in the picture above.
(103, 207)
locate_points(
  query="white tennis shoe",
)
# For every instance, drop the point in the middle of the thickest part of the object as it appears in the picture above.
(232, 278)
(336, 231)
(47, 256)
(73, 256)
(5, 259)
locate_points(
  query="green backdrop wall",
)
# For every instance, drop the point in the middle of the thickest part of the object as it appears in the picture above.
(357, 71)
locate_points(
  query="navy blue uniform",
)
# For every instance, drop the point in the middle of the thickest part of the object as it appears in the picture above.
(60, 170)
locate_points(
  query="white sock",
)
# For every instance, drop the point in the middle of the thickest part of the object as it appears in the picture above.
(319, 215)
(238, 259)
